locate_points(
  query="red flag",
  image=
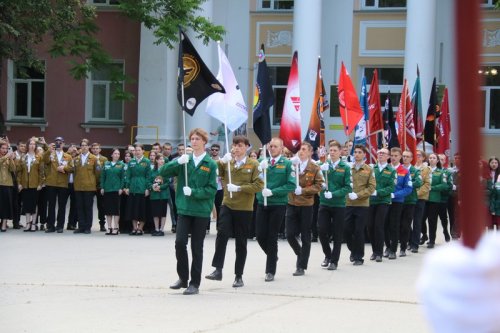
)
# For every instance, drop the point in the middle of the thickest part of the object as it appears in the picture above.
(406, 127)
(290, 119)
(350, 109)
(376, 119)
(443, 127)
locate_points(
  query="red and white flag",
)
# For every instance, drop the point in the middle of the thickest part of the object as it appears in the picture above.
(376, 120)
(443, 127)
(350, 108)
(406, 126)
(290, 131)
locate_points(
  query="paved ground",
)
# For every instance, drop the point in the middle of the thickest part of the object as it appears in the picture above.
(97, 283)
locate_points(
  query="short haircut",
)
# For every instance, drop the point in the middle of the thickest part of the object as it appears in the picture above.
(335, 143)
(21, 142)
(167, 144)
(86, 141)
(277, 139)
(424, 155)
(362, 147)
(215, 145)
(409, 152)
(396, 150)
(139, 145)
(305, 143)
(115, 149)
(156, 144)
(96, 144)
(199, 132)
(241, 139)
(180, 145)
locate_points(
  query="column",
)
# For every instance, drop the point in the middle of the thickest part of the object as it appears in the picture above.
(307, 41)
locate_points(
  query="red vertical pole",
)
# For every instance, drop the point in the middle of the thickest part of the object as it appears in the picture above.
(467, 37)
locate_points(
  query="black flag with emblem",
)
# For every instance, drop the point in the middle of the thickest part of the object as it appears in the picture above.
(198, 81)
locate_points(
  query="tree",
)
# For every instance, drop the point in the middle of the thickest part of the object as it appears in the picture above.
(68, 29)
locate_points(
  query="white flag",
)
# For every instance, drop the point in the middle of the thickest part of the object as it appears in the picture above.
(230, 107)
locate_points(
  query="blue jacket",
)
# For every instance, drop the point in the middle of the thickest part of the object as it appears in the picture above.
(404, 186)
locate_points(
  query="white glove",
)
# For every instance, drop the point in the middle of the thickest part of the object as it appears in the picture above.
(454, 187)
(267, 192)
(263, 164)
(459, 287)
(325, 167)
(353, 196)
(374, 193)
(328, 195)
(392, 195)
(187, 191)
(183, 159)
(226, 158)
(233, 188)
(295, 160)
(298, 190)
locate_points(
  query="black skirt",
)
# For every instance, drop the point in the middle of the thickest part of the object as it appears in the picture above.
(30, 200)
(159, 208)
(136, 207)
(6, 202)
(111, 203)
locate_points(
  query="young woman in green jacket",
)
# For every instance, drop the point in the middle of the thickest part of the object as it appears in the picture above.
(112, 181)
(158, 199)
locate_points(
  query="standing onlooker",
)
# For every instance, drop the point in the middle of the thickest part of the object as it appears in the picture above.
(73, 215)
(125, 222)
(493, 186)
(96, 151)
(214, 154)
(16, 193)
(7, 167)
(159, 195)
(112, 181)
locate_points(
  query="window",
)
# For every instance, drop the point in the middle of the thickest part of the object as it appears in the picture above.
(279, 80)
(383, 4)
(101, 106)
(105, 2)
(390, 83)
(28, 93)
(489, 3)
(490, 96)
(276, 4)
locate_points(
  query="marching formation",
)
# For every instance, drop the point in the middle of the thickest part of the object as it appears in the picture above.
(394, 204)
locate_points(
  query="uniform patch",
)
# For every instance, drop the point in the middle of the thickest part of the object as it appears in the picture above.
(339, 170)
(204, 168)
(280, 166)
(387, 172)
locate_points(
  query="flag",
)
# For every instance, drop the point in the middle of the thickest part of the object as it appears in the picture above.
(390, 127)
(194, 76)
(290, 120)
(350, 109)
(416, 106)
(432, 114)
(230, 107)
(406, 127)
(360, 133)
(316, 131)
(443, 128)
(376, 120)
(263, 99)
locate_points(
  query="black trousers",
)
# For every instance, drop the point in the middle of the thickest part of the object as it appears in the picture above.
(404, 231)
(418, 220)
(331, 223)
(171, 203)
(314, 223)
(354, 232)
(195, 226)
(232, 222)
(298, 221)
(73, 215)
(376, 223)
(219, 196)
(100, 208)
(252, 225)
(59, 195)
(85, 203)
(268, 221)
(42, 206)
(432, 213)
(393, 225)
(443, 216)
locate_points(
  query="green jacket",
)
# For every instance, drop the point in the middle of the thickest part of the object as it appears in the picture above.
(201, 180)
(339, 184)
(445, 194)
(138, 175)
(439, 184)
(156, 178)
(385, 179)
(417, 182)
(280, 181)
(112, 176)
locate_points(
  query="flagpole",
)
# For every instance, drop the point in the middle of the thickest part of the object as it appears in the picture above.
(265, 173)
(184, 131)
(227, 149)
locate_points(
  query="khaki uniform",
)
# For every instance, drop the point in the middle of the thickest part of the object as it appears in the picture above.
(310, 180)
(34, 177)
(52, 176)
(86, 175)
(7, 166)
(424, 190)
(363, 184)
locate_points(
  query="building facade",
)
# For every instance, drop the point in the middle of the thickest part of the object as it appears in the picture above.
(393, 36)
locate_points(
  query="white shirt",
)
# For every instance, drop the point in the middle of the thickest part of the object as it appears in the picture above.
(303, 165)
(59, 155)
(197, 159)
(29, 159)
(83, 158)
(334, 164)
(382, 166)
(276, 159)
(238, 164)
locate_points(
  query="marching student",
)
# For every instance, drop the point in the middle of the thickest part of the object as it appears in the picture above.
(237, 207)
(439, 183)
(299, 211)
(280, 181)
(445, 197)
(357, 205)
(419, 228)
(331, 211)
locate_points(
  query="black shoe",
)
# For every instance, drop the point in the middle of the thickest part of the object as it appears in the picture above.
(414, 250)
(357, 262)
(49, 230)
(215, 275)
(402, 253)
(60, 230)
(299, 272)
(191, 290)
(325, 262)
(174, 229)
(378, 258)
(102, 228)
(392, 255)
(155, 233)
(423, 239)
(179, 284)
(373, 256)
(78, 231)
(269, 277)
(447, 236)
(139, 233)
(86, 231)
(351, 258)
(161, 233)
(133, 233)
(238, 282)
(386, 253)
(70, 227)
(430, 245)
(332, 267)
(17, 226)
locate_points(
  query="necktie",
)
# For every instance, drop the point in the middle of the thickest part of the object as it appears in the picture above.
(272, 162)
